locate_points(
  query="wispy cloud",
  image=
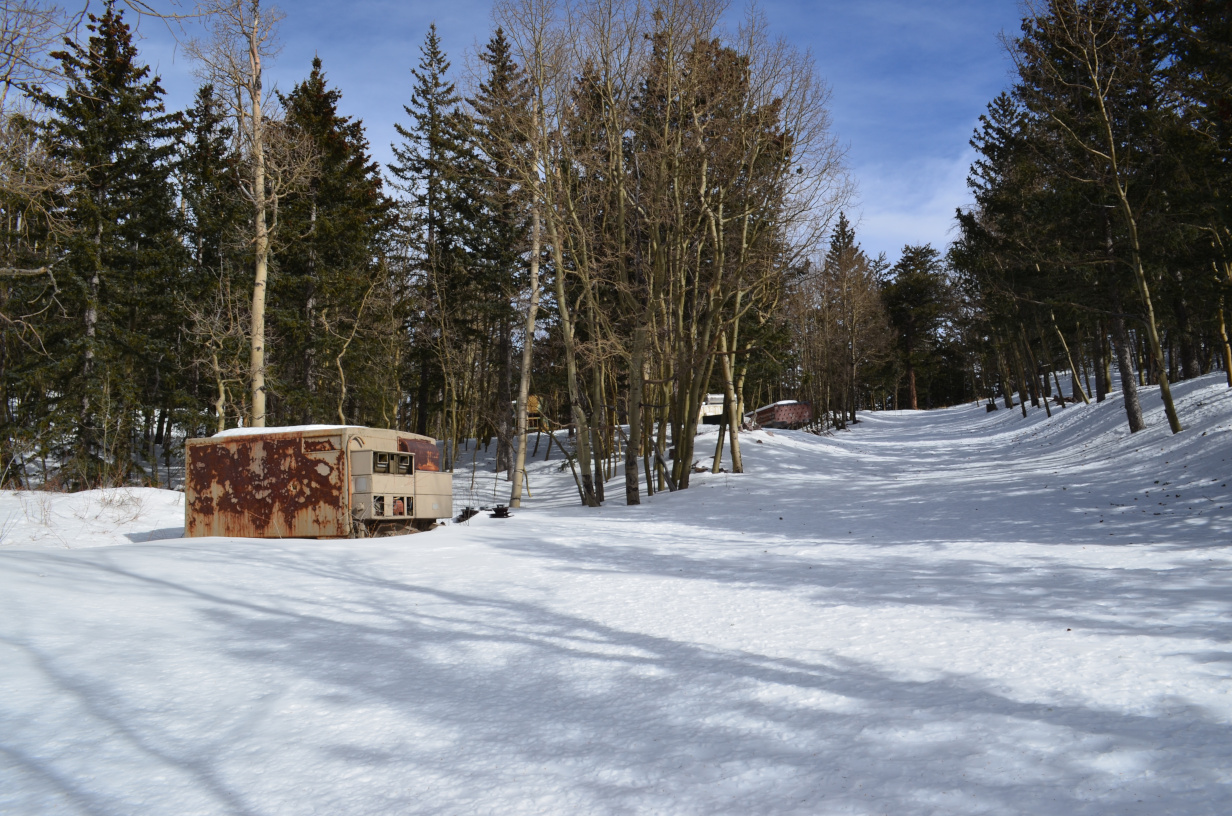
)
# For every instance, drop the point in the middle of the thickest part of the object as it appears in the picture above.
(911, 205)
(909, 79)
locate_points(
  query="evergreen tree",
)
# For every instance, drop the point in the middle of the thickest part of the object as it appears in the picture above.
(114, 352)
(501, 237)
(213, 216)
(916, 298)
(435, 167)
(328, 271)
(851, 281)
(1196, 40)
(1088, 72)
(208, 171)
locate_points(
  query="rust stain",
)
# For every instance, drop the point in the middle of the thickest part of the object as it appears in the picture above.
(427, 457)
(322, 443)
(267, 487)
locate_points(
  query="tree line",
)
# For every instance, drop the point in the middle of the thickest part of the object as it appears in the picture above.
(1100, 238)
(625, 209)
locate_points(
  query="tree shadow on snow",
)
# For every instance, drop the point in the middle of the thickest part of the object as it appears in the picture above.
(1127, 602)
(485, 702)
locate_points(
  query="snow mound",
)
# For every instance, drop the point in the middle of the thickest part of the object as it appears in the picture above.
(93, 518)
(279, 429)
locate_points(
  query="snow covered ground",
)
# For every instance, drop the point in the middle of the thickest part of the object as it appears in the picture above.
(949, 612)
(92, 518)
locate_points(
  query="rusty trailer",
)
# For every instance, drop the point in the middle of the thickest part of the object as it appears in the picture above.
(783, 414)
(313, 481)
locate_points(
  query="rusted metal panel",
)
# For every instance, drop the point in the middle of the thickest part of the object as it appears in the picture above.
(786, 414)
(267, 486)
(427, 455)
(322, 443)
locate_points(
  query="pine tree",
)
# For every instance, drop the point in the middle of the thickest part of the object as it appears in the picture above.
(435, 168)
(114, 353)
(501, 237)
(328, 272)
(1088, 68)
(916, 300)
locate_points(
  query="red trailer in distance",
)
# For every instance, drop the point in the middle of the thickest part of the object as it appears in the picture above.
(782, 414)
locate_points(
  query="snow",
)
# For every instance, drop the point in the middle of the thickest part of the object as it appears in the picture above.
(937, 612)
(92, 518)
(283, 429)
(775, 404)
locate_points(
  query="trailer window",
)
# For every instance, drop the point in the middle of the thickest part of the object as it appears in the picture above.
(382, 463)
(378, 505)
(404, 463)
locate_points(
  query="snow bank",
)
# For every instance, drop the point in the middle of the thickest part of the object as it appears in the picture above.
(93, 518)
(944, 612)
(279, 429)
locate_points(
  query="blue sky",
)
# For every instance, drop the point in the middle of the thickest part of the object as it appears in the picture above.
(909, 80)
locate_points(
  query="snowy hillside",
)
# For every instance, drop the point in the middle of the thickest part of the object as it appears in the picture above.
(944, 612)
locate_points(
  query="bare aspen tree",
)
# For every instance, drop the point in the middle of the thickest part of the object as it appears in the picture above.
(609, 38)
(28, 30)
(761, 178)
(529, 25)
(532, 309)
(29, 175)
(241, 38)
(682, 174)
(219, 331)
(332, 325)
(30, 178)
(538, 40)
(810, 188)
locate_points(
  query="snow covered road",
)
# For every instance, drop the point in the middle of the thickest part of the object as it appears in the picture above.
(946, 612)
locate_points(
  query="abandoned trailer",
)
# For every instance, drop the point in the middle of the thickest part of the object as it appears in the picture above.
(782, 414)
(313, 481)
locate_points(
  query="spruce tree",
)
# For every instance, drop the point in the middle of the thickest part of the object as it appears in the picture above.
(114, 353)
(916, 298)
(435, 169)
(851, 283)
(208, 171)
(213, 217)
(501, 210)
(330, 266)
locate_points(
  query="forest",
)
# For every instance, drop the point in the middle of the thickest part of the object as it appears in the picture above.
(633, 206)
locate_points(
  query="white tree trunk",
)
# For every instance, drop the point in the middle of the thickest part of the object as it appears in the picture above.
(519, 466)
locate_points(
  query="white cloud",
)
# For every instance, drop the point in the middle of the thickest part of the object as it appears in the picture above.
(911, 203)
